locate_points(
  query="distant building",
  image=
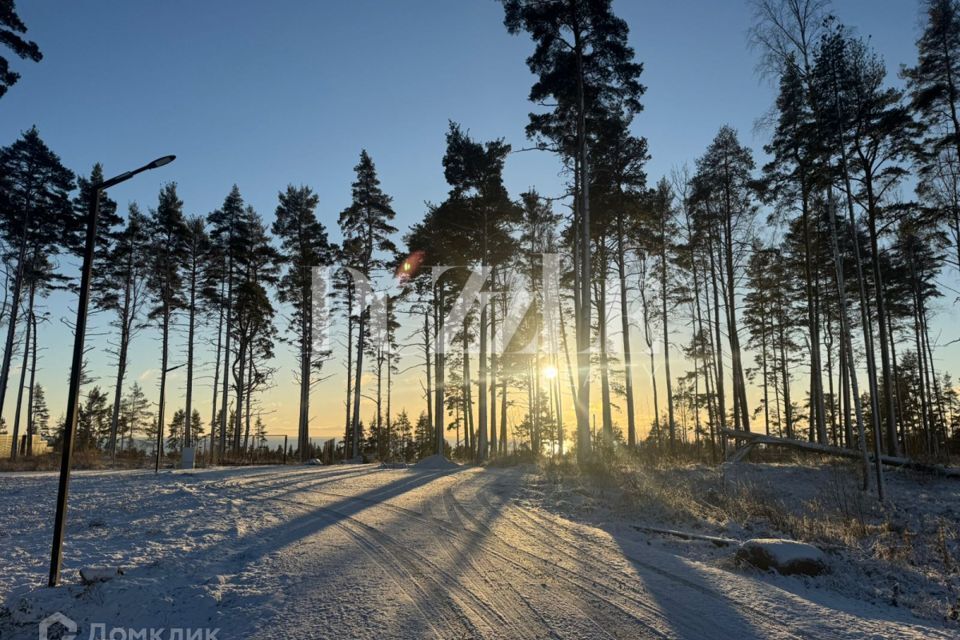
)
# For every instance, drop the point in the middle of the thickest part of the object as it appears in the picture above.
(40, 445)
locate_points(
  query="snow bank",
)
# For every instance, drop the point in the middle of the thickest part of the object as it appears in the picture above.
(786, 556)
(94, 575)
(436, 462)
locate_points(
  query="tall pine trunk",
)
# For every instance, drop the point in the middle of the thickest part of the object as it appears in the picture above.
(191, 330)
(164, 351)
(428, 364)
(439, 368)
(23, 372)
(465, 390)
(348, 408)
(216, 381)
(358, 375)
(847, 342)
(493, 378)
(739, 380)
(653, 369)
(239, 376)
(122, 350)
(14, 312)
(31, 428)
(625, 331)
(605, 399)
(718, 346)
(381, 444)
(893, 447)
(666, 335)
(583, 324)
(228, 304)
(813, 318)
(306, 355)
(249, 395)
(482, 391)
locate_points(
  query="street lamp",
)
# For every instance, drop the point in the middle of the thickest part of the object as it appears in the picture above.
(73, 393)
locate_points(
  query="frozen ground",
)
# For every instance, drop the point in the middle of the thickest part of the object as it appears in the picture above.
(901, 554)
(359, 552)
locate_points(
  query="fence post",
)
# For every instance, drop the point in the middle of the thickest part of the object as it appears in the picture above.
(285, 449)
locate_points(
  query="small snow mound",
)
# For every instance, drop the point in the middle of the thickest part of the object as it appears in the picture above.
(436, 462)
(787, 557)
(93, 575)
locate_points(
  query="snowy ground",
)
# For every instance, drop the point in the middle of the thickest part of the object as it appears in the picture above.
(360, 552)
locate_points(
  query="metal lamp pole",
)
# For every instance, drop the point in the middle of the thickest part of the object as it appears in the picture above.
(73, 393)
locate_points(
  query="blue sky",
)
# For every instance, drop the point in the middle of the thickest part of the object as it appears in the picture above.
(263, 94)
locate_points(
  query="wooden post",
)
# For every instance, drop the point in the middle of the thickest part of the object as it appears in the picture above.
(285, 449)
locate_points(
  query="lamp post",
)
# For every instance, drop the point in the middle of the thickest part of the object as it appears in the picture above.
(73, 393)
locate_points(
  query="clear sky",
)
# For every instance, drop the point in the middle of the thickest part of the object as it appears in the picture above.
(263, 94)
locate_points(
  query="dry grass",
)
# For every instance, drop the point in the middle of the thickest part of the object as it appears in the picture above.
(907, 549)
(838, 514)
(82, 459)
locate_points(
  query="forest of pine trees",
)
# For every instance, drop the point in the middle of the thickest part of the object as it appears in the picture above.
(787, 291)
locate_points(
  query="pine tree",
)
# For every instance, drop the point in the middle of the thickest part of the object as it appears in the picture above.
(792, 178)
(619, 185)
(934, 86)
(725, 188)
(260, 433)
(93, 420)
(226, 236)
(135, 417)
(404, 436)
(11, 30)
(199, 275)
(366, 229)
(873, 133)
(175, 431)
(665, 229)
(933, 82)
(486, 217)
(424, 437)
(167, 254)
(40, 423)
(583, 42)
(124, 265)
(304, 246)
(252, 328)
(35, 216)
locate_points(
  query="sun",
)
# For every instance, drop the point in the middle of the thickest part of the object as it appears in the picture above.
(550, 372)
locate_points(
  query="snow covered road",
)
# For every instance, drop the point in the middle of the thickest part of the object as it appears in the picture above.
(360, 552)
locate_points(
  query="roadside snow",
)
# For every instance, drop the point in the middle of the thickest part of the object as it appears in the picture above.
(901, 555)
(358, 552)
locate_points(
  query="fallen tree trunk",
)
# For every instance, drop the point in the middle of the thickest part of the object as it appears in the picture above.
(686, 535)
(894, 461)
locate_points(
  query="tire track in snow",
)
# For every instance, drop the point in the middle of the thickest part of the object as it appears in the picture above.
(539, 523)
(482, 565)
(576, 579)
(487, 544)
(393, 553)
(517, 621)
(275, 479)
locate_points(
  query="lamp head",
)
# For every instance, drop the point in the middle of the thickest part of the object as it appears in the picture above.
(159, 162)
